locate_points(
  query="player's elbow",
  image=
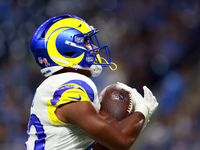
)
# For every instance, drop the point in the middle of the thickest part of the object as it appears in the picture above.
(128, 139)
(124, 144)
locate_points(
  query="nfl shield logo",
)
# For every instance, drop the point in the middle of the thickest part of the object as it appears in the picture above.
(115, 95)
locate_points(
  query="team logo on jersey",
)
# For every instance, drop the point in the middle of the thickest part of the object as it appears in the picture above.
(115, 95)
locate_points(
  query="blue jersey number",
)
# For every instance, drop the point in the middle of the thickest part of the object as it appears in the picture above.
(40, 142)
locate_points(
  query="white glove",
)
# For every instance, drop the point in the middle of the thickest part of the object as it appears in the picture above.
(136, 98)
(150, 99)
(131, 92)
(151, 102)
(146, 105)
(125, 87)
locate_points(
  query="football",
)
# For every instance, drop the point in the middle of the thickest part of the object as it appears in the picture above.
(116, 102)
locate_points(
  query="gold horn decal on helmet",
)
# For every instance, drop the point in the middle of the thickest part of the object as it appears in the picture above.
(52, 51)
(67, 23)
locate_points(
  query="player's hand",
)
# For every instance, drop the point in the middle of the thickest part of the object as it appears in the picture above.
(147, 105)
(132, 92)
(125, 87)
(150, 100)
(136, 98)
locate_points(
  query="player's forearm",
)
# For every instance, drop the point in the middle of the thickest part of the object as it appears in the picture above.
(128, 129)
(132, 126)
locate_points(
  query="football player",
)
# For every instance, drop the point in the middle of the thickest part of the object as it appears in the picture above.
(65, 112)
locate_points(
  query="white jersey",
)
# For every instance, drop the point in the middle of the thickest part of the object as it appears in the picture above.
(45, 130)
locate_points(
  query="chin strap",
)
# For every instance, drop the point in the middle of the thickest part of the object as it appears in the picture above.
(112, 63)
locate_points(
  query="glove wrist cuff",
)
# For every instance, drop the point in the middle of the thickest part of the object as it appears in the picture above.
(142, 109)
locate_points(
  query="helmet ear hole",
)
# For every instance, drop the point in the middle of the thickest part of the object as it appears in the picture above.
(69, 54)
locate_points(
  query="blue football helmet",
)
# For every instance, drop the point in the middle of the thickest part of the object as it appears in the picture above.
(60, 42)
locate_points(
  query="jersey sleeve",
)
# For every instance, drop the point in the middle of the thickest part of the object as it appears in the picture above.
(71, 91)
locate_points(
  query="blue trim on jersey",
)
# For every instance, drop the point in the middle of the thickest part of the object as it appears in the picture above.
(40, 142)
(87, 88)
(61, 90)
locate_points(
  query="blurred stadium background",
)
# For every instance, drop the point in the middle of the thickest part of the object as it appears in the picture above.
(154, 42)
